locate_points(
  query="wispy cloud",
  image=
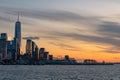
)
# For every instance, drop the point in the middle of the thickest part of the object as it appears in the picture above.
(65, 46)
(110, 29)
(6, 19)
(52, 15)
(32, 38)
(87, 38)
(112, 50)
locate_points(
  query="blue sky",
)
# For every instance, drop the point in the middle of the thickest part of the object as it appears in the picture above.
(81, 26)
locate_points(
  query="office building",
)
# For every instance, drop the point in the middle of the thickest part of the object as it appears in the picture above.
(29, 48)
(18, 35)
(15, 49)
(41, 53)
(45, 55)
(3, 45)
(33, 48)
(11, 50)
(67, 57)
(42, 50)
(50, 57)
(4, 36)
(35, 51)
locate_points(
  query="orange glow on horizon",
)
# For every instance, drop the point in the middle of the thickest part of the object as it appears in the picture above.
(86, 51)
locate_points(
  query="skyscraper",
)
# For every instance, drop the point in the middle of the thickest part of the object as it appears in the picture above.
(11, 50)
(36, 53)
(33, 50)
(4, 36)
(18, 35)
(29, 47)
(3, 46)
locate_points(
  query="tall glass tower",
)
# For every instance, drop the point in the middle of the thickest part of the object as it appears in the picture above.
(18, 34)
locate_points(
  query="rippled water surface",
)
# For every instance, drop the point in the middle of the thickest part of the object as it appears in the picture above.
(59, 72)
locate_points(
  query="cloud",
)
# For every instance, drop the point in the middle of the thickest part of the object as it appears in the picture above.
(65, 46)
(87, 38)
(113, 49)
(110, 27)
(52, 15)
(6, 19)
(32, 38)
(111, 31)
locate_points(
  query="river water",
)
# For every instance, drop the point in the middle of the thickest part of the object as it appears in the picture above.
(59, 72)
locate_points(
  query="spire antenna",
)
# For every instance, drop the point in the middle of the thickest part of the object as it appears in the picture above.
(18, 17)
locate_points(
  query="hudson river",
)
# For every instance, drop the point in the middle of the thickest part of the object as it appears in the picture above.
(59, 72)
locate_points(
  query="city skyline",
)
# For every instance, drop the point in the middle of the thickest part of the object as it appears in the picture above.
(86, 31)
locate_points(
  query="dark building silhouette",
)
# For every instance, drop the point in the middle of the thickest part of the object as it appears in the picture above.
(4, 36)
(50, 57)
(35, 51)
(43, 55)
(67, 57)
(42, 50)
(29, 47)
(32, 50)
(3, 45)
(33, 47)
(18, 35)
(46, 55)
(3, 48)
(11, 50)
(15, 49)
(90, 61)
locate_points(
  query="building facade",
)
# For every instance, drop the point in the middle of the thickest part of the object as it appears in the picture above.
(3, 45)
(18, 36)
(29, 47)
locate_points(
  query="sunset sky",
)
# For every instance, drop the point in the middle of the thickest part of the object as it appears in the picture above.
(83, 29)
